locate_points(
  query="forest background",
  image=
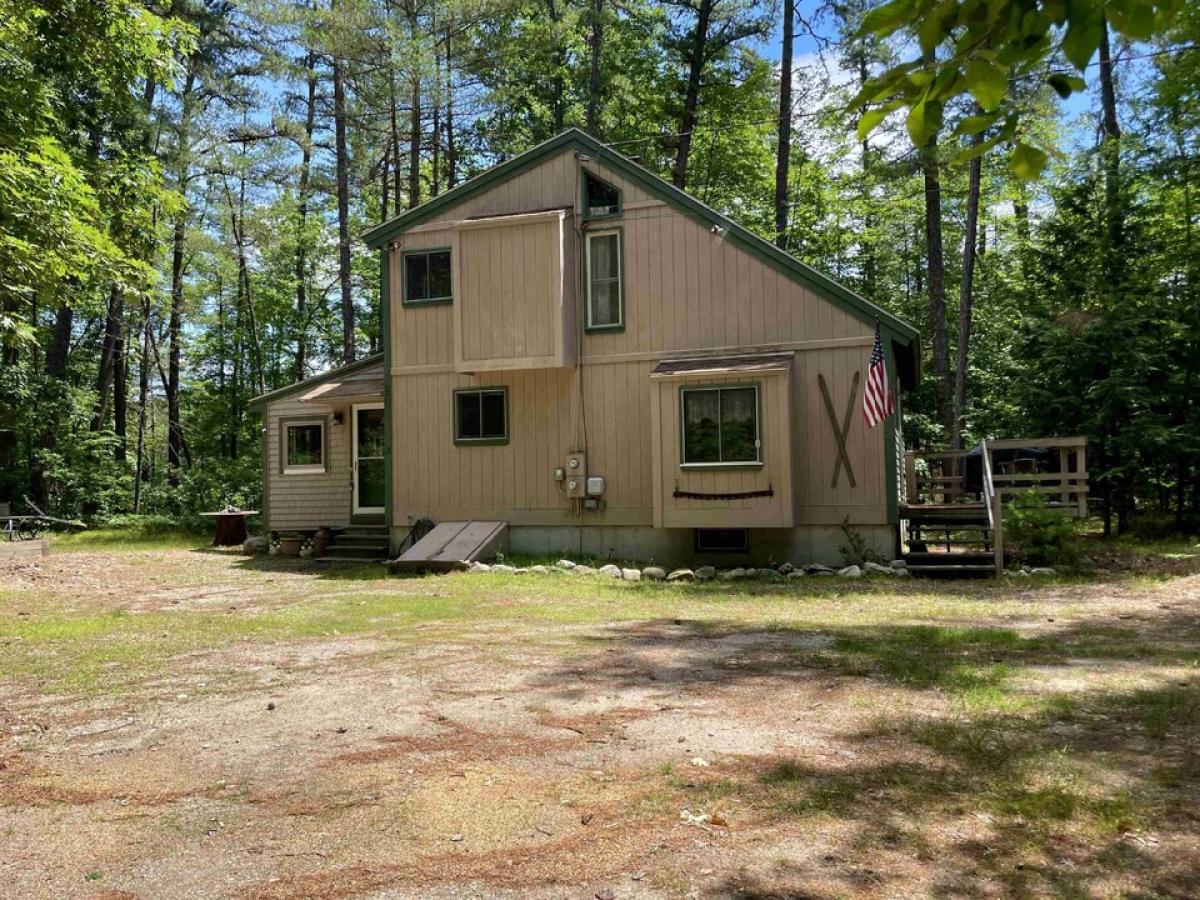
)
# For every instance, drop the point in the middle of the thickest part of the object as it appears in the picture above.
(182, 185)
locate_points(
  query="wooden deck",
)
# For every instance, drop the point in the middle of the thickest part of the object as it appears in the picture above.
(954, 499)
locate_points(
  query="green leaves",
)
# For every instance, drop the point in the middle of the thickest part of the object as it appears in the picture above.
(924, 121)
(980, 47)
(872, 117)
(885, 19)
(1084, 32)
(987, 82)
(1027, 162)
(1065, 85)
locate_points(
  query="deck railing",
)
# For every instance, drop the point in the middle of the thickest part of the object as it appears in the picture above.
(940, 476)
(1053, 467)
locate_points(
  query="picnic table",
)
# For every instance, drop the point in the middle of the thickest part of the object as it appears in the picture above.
(231, 526)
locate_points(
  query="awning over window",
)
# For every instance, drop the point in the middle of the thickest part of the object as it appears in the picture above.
(342, 391)
(723, 365)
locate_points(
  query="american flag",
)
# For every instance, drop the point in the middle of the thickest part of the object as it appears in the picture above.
(877, 399)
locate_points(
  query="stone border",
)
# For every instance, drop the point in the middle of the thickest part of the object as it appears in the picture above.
(787, 570)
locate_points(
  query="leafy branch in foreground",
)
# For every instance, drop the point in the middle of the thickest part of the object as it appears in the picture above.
(978, 47)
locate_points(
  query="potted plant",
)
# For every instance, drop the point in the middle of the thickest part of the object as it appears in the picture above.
(290, 543)
(322, 540)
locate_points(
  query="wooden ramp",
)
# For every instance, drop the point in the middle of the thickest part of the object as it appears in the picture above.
(453, 545)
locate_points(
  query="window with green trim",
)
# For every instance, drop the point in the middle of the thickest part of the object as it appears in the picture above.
(481, 416)
(427, 276)
(600, 199)
(720, 426)
(605, 304)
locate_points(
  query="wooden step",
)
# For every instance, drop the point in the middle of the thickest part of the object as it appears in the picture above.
(953, 571)
(932, 558)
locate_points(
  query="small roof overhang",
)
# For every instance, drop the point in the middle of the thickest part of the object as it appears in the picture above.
(338, 392)
(746, 364)
(341, 374)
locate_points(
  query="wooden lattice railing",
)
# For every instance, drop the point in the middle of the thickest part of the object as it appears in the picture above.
(1053, 467)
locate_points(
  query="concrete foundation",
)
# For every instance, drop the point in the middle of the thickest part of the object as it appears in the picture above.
(675, 546)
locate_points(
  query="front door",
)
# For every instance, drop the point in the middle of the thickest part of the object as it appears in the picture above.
(369, 460)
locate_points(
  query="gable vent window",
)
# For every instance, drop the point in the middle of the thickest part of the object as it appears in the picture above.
(600, 199)
(605, 305)
(481, 416)
(427, 277)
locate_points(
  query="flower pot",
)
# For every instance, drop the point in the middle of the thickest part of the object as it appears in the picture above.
(290, 546)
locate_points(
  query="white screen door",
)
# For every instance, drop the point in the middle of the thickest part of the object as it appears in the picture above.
(369, 461)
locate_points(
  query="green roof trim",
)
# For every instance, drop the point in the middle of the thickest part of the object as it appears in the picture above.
(574, 139)
(341, 371)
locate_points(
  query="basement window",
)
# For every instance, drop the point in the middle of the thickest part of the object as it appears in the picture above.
(481, 416)
(722, 540)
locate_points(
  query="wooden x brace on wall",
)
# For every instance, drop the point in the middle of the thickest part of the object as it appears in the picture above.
(841, 432)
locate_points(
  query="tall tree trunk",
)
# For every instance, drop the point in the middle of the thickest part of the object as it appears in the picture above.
(451, 151)
(414, 144)
(120, 395)
(965, 301)
(300, 366)
(595, 46)
(175, 439)
(691, 97)
(142, 473)
(870, 264)
(174, 348)
(343, 206)
(58, 353)
(935, 265)
(108, 352)
(1114, 239)
(558, 102)
(783, 150)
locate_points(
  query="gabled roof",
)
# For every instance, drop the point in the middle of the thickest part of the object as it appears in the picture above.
(375, 359)
(574, 139)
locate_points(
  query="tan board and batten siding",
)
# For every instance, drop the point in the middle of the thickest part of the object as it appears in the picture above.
(307, 501)
(687, 290)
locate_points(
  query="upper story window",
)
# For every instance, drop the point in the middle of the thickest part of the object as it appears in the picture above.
(427, 276)
(304, 447)
(720, 426)
(600, 199)
(481, 416)
(605, 304)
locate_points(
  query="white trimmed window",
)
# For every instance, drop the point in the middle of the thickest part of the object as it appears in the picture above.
(304, 447)
(605, 303)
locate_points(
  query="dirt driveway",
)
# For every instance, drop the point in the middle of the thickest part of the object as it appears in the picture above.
(178, 723)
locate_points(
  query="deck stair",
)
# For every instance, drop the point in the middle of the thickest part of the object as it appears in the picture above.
(453, 545)
(360, 541)
(955, 513)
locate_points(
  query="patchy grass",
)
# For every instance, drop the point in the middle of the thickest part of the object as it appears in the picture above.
(844, 738)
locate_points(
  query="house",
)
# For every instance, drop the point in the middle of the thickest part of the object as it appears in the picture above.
(577, 348)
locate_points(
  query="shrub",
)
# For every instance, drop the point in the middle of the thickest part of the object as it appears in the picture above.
(1041, 536)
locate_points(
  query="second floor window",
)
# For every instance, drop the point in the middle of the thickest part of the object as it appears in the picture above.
(605, 305)
(427, 276)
